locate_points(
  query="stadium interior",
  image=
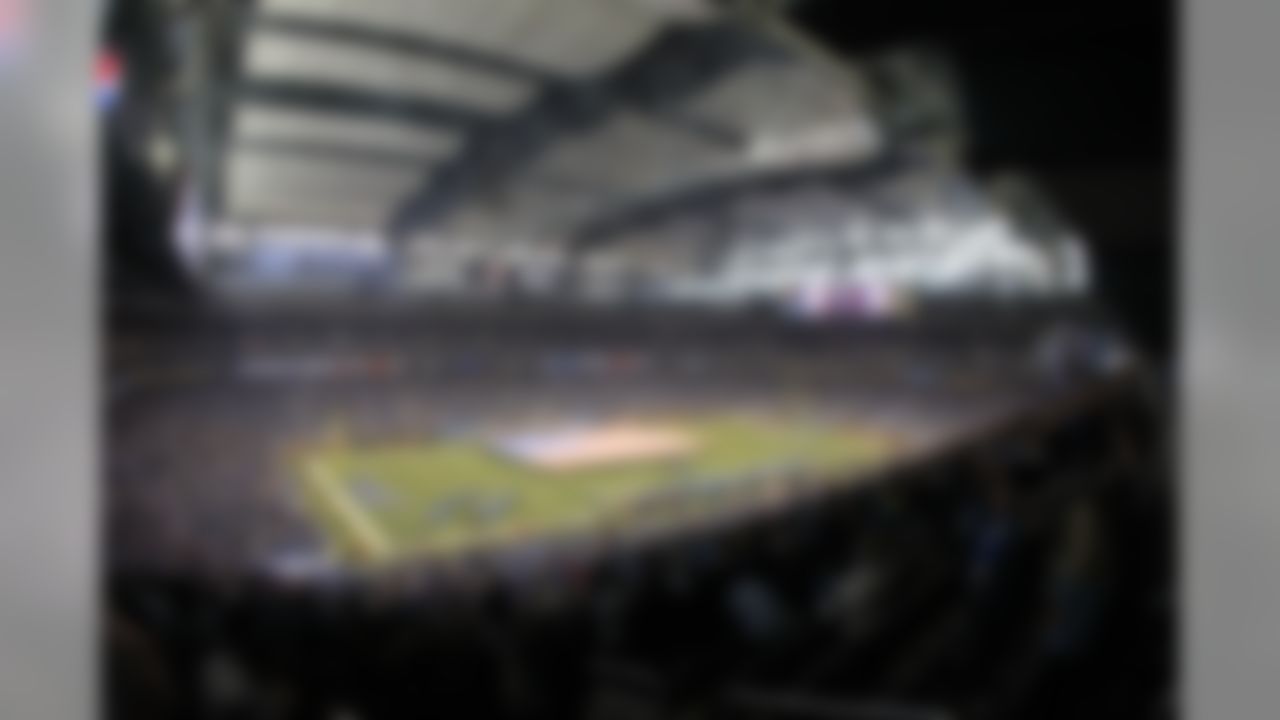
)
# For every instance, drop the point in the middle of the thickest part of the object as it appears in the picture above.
(616, 359)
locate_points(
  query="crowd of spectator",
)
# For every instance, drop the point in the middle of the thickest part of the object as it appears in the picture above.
(1024, 572)
(1025, 576)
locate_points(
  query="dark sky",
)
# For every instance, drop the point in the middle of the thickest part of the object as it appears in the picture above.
(1080, 95)
(1066, 83)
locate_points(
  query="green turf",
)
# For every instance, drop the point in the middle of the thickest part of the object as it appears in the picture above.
(396, 488)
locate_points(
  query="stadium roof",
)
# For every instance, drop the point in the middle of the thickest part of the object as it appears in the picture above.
(494, 119)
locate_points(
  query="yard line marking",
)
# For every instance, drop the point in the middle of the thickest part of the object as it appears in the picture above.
(369, 536)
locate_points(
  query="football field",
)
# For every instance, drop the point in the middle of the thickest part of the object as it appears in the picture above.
(377, 504)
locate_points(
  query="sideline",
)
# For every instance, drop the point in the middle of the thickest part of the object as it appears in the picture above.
(369, 538)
